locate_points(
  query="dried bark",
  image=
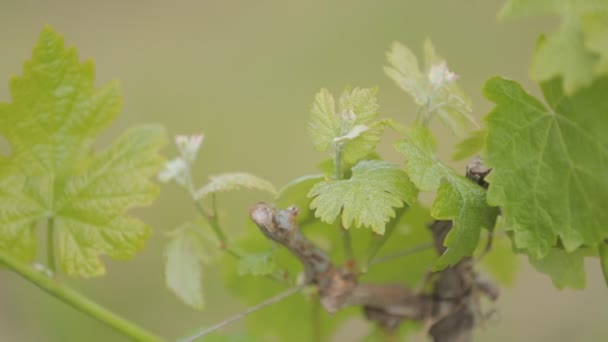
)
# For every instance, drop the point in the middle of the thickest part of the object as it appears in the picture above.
(450, 310)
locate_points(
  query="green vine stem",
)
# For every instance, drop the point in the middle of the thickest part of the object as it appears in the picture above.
(339, 174)
(69, 296)
(50, 245)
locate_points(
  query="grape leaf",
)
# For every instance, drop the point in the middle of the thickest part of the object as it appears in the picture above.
(351, 127)
(565, 269)
(257, 264)
(549, 164)
(576, 52)
(463, 202)
(234, 181)
(595, 29)
(185, 254)
(474, 143)
(433, 89)
(52, 174)
(368, 198)
(458, 199)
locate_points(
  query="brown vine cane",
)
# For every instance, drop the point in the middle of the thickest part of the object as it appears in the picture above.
(449, 311)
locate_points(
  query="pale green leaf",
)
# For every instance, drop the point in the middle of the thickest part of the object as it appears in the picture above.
(423, 168)
(468, 147)
(577, 52)
(350, 128)
(257, 264)
(361, 102)
(405, 71)
(234, 181)
(185, 255)
(364, 144)
(54, 175)
(458, 199)
(549, 164)
(565, 269)
(368, 198)
(433, 89)
(463, 202)
(595, 30)
(324, 125)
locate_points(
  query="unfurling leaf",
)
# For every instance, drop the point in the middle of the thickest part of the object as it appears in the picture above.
(53, 174)
(549, 164)
(458, 199)
(433, 89)
(351, 126)
(368, 198)
(234, 181)
(185, 255)
(578, 52)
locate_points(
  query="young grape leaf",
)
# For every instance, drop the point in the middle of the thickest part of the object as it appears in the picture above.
(463, 202)
(565, 269)
(433, 89)
(595, 29)
(474, 143)
(351, 127)
(185, 255)
(52, 174)
(234, 181)
(549, 164)
(368, 198)
(577, 52)
(458, 199)
(257, 264)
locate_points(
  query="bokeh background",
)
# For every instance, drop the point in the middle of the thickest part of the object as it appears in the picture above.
(245, 73)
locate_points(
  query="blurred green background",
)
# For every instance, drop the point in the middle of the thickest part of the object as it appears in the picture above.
(245, 73)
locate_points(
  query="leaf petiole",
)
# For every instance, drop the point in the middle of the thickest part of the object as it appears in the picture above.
(50, 245)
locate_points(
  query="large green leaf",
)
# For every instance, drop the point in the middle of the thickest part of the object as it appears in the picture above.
(578, 51)
(565, 269)
(549, 164)
(458, 199)
(53, 175)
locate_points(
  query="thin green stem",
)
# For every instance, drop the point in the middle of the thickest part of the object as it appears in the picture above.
(405, 252)
(50, 245)
(69, 296)
(241, 315)
(213, 223)
(316, 320)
